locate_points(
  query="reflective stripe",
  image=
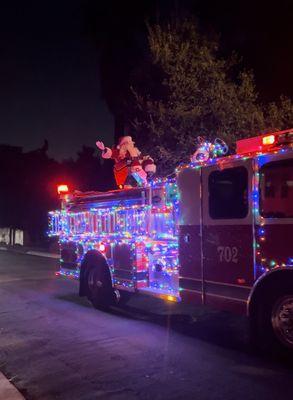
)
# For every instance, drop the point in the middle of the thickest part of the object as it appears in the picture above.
(229, 284)
(226, 297)
(216, 289)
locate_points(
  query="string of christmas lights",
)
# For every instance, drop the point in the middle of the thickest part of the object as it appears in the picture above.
(150, 232)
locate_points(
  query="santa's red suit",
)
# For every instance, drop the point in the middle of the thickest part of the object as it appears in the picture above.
(128, 161)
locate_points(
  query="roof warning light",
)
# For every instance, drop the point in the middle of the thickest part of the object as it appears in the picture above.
(267, 140)
(62, 189)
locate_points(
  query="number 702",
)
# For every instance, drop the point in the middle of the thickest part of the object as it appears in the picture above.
(228, 254)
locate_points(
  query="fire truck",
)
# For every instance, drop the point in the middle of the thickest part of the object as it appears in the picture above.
(218, 233)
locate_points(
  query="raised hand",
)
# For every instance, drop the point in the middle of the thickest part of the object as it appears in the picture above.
(100, 145)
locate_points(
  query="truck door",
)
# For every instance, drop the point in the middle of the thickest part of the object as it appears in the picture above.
(274, 220)
(228, 259)
(190, 254)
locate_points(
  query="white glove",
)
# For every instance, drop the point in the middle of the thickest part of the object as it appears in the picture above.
(100, 145)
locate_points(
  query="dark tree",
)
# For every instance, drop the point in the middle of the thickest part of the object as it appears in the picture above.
(193, 91)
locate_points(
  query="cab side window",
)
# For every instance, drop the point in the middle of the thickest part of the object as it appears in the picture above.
(276, 189)
(228, 191)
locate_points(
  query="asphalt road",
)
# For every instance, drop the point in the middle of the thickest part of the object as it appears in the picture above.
(54, 345)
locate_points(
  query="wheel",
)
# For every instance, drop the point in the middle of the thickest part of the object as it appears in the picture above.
(272, 327)
(282, 320)
(99, 290)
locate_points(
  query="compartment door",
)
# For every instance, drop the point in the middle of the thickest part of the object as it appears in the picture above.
(228, 252)
(190, 254)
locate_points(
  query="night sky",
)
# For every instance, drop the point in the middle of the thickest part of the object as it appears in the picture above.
(49, 70)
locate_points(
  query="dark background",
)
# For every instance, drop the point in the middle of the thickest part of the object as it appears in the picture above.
(64, 74)
(64, 63)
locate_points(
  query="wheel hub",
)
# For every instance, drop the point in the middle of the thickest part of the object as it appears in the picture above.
(93, 282)
(282, 320)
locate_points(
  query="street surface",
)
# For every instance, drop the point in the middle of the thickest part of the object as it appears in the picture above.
(54, 345)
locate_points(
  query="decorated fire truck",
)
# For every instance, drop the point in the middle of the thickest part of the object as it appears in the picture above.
(218, 233)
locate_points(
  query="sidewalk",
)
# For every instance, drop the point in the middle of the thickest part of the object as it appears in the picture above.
(8, 391)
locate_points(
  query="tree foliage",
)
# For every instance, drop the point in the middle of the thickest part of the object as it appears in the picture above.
(279, 115)
(189, 90)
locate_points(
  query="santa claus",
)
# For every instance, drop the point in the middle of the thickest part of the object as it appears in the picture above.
(129, 162)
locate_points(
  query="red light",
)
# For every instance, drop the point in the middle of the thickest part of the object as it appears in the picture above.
(102, 247)
(267, 140)
(264, 142)
(61, 189)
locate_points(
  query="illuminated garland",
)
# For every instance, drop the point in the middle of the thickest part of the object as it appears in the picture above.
(153, 228)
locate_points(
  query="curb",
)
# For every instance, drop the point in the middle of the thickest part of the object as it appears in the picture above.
(32, 253)
(8, 391)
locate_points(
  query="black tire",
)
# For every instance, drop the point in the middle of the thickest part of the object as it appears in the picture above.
(272, 325)
(98, 282)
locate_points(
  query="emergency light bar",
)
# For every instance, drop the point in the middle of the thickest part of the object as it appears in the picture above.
(264, 142)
